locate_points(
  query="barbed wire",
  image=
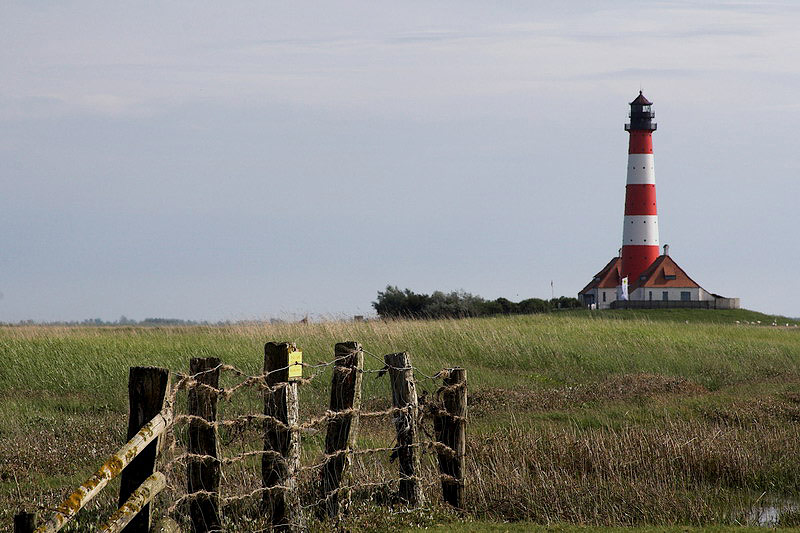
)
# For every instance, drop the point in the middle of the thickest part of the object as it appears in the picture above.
(417, 414)
(244, 420)
(188, 381)
(387, 366)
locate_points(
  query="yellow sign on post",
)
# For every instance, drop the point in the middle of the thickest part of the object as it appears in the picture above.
(295, 365)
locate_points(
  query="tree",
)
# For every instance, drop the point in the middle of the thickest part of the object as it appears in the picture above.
(453, 305)
(533, 305)
(396, 303)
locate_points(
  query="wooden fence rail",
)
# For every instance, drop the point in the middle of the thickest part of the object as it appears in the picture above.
(149, 419)
(110, 469)
(132, 508)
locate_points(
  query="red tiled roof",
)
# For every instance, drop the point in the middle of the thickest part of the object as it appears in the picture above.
(607, 278)
(656, 275)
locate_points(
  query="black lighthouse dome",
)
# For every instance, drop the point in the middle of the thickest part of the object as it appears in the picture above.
(641, 115)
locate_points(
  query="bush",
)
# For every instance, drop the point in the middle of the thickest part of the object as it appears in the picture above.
(396, 303)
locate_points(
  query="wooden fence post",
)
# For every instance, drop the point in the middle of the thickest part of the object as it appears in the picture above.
(449, 425)
(404, 396)
(24, 522)
(278, 469)
(204, 474)
(147, 389)
(342, 430)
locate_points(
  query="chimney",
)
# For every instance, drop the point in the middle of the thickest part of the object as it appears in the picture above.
(666, 249)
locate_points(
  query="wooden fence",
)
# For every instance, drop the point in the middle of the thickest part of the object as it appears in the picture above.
(149, 418)
(152, 403)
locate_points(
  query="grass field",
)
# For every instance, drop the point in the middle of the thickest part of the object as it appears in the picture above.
(623, 418)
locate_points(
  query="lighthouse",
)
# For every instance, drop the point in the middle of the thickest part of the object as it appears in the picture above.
(640, 246)
(640, 278)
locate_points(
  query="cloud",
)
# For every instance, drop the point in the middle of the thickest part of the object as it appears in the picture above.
(638, 73)
(51, 106)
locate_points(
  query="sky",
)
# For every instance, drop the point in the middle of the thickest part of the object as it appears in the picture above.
(248, 160)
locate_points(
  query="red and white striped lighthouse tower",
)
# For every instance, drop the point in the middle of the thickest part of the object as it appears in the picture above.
(640, 246)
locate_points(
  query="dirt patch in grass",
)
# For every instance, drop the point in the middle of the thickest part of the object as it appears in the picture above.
(758, 410)
(614, 388)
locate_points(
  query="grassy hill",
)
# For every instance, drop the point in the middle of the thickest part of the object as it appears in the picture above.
(713, 316)
(621, 418)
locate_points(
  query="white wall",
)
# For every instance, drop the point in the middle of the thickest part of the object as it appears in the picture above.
(611, 295)
(673, 293)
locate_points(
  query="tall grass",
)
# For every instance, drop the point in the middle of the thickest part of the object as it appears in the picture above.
(511, 351)
(574, 418)
(679, 473)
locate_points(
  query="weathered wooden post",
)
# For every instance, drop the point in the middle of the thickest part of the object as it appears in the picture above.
(281, 459)
(342, 430)
(449, 425)
(147, 389)
(404, 396)
(203, 474)
(24, 522)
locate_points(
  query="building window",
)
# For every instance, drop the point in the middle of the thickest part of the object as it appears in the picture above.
(604, 296)
(686, 296)
(665, 296)
(651, 295)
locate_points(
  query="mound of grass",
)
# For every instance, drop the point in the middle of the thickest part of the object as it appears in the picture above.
(708, 316)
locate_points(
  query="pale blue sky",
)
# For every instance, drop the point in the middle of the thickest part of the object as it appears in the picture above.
(260, 159)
